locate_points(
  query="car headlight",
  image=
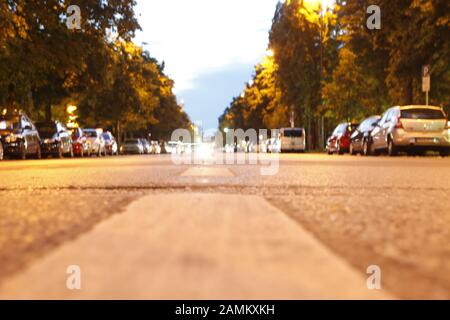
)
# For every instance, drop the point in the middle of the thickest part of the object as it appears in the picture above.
(12, 138)
(50, 141)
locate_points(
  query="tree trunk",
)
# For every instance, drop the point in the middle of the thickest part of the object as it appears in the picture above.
(409, 93)
(48, 110)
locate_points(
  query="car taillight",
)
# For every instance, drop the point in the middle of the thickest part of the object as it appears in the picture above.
(399, 124)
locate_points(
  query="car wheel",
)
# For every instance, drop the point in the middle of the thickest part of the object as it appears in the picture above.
(38, 155)
(352, 150)
(366, 148)
(60, 153)
(22, 151)
(392, 149)
(339, 149)
(372, 150)
(445, 153)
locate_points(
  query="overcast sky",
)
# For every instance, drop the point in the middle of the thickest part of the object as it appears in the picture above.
(209, 47)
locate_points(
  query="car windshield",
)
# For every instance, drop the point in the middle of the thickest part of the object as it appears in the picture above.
(342, 128)
(10, 123)
(423, 114)
(46, 130)
(293, 133)
(91, 134)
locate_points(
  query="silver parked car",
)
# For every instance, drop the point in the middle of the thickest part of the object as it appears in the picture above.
(95, 141)
(156, 147)
(411, 128)
(146, 145)
(132, 146)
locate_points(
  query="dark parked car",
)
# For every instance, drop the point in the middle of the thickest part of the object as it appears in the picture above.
(361, 139)
(56, 141)
(339, 141)
(19, 136)
(110, 144)
(80, 144)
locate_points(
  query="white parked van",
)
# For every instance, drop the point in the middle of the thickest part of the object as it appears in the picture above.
(293, 140)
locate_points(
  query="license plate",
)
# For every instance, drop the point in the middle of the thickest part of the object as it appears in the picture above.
(426, 140)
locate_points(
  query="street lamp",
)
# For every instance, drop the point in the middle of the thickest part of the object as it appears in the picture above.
(71, 109)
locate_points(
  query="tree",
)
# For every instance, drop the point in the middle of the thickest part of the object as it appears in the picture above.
(348, 95)
(305, 47)
(43, 59)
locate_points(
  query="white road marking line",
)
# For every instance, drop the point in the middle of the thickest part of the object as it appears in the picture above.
(194, 246)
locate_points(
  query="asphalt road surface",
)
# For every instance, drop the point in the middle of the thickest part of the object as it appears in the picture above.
(144, 227)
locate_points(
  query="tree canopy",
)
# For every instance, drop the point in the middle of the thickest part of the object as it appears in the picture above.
(330, 67)
(44, 65)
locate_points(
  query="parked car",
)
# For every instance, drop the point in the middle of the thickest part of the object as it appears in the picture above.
(156, 147)
(339, 141)
(293, 140)
(96, 142)
(361, 138)
(273, 145)
(132, 146)
(110, 144)
(174, 147)
(56, 140)
(412, 129)
(80, 144)
(19, 136)
(146, 145)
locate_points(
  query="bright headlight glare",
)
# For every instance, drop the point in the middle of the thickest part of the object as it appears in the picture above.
(50, 141)
(12, 138)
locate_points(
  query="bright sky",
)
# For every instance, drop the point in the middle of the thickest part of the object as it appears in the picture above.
(209, 47)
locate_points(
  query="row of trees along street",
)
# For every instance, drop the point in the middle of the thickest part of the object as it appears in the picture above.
(326, 66)
(45, 66)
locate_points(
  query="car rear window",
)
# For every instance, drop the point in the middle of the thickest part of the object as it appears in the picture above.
(91, 134)
(424, 114)
(293, 133)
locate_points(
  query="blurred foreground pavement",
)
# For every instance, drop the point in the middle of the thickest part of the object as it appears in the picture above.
(142, 227)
